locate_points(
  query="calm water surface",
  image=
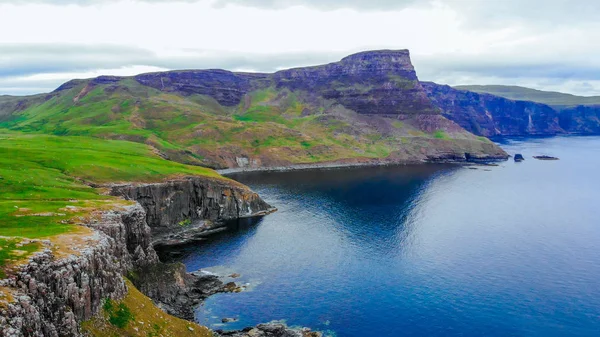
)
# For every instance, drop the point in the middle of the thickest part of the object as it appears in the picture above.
(432, 250)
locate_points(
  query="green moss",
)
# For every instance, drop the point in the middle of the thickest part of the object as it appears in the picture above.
(440, 134)
(398, 124)
(119, 314)
(184, 223)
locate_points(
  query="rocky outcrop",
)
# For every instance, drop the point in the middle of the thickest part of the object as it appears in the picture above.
(269, 330)
(52, 295)
(178, 205)
(224, 86)
(489, 115)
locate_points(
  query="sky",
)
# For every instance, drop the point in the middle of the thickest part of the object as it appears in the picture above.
(542, 44)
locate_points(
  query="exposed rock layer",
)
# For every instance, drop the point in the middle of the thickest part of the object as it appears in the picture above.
(373, 82)
(177, 205)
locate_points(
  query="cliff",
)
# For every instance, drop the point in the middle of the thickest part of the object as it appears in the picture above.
(489, 115)
(581, 119)
(174, 207)
(52, 294)
(374, 82)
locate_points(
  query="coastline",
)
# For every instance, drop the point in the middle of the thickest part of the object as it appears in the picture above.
(339, 165)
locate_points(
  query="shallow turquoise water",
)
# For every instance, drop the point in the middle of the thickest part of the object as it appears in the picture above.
(422, 250)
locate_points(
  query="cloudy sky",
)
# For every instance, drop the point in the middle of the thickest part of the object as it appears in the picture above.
(544, 44)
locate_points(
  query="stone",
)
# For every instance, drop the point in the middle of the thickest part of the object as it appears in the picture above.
(518, 157)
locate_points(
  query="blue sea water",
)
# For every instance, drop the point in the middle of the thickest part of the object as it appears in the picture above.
(430, 250)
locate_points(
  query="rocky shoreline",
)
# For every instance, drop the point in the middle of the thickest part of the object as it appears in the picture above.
(338, 165)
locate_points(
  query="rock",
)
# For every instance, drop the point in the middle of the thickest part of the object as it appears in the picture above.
(488, 115)
(545, 158)
(269, 330)
(519, 157)
(228, 320)
(192, 199)
(235, 275)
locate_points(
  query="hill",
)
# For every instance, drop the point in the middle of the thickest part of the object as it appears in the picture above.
(369, 107)
(552, 98)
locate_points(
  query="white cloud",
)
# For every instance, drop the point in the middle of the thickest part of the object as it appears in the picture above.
(451, 41)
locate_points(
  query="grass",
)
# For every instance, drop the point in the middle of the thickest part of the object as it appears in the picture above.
(12, 250)
(137, 316)
(43, 181)
(118, 314)
(441, 134)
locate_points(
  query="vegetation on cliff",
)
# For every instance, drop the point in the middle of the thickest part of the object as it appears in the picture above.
(136, 315)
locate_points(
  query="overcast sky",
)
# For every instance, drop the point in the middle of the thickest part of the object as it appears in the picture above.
(544, 44)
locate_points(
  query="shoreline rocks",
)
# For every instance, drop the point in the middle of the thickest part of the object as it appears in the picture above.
(269, 330)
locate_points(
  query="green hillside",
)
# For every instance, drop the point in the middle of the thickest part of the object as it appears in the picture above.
(273, 126)
(556, 99)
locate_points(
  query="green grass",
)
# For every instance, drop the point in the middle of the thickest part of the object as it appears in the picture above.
(137, 316)
(43, 179)
(12, 250)
(119, 314)
(440, 134)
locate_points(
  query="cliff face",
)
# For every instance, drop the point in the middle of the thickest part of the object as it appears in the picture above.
(581, 119)
(52, 295)
(176, 204)
(489, 115)
(374, 82)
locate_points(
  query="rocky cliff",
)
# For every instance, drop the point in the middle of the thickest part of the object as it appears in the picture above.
(373, 82)
(52, 293)
(581, 119)
(174, 208)
(489, 115)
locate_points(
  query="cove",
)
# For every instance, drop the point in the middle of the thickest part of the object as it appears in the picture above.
(427, 250)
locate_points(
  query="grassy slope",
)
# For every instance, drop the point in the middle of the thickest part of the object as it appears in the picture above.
(277, 125)
(44, 196)
(41, 179)
(551, 98)
(143, 319)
